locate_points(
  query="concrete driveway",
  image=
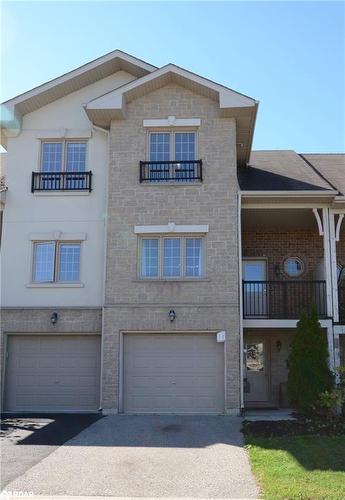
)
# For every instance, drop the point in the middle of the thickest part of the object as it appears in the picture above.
(147, 456)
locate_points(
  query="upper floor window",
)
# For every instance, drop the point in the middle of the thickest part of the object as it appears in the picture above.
(62, 167)
(68, 156)
(171, 157)
(56, 262)
(172, 257)
(174, 146)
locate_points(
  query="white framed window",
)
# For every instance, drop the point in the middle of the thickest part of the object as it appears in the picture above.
(56, 261)
(172, 146)
(63, 156)
(167, 257)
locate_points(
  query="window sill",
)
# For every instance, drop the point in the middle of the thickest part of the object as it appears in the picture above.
(61, 193)
(172, 183)
(55, 285)
(170, 280)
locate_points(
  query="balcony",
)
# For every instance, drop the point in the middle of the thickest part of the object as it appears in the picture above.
(61, 181)
(186, 171)
(283, 299)
(341, 296)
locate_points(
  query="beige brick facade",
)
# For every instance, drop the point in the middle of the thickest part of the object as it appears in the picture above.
(209, 304)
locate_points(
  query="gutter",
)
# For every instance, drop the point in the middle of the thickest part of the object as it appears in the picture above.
(290, 194)
(104, 131)
(239, 260)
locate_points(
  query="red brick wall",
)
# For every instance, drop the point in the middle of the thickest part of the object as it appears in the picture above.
(276, 247)
(341, 250)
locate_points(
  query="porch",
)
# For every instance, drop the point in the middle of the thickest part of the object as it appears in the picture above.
(284, 264)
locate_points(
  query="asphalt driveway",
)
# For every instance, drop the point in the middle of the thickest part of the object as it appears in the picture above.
(26, 439)
(147, 456)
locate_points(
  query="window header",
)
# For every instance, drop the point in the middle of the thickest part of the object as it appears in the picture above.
(171, 227)
(171, 121)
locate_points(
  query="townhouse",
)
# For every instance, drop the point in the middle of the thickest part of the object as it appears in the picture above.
(151, 261)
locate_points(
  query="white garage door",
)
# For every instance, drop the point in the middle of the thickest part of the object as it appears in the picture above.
(52, 373)
(173, 373)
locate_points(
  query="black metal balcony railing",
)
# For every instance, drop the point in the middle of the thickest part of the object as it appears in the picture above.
(171, 171)
(341, 298)
(61, 181)
(283, 299)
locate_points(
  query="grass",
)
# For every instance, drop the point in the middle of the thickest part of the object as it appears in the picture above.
(299, 467)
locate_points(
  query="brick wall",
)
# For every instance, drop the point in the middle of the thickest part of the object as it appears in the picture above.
(136, 305)
(277, 246)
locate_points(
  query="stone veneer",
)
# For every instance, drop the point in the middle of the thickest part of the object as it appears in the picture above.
(209, 304)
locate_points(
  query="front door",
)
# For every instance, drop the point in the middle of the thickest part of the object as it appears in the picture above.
(257, 370)
(254, 288)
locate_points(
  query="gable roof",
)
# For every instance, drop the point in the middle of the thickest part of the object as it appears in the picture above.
(74, 80)
(112, 105)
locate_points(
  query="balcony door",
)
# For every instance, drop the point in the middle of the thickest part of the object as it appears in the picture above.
(254, 273)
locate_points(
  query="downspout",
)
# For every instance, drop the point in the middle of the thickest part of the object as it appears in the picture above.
(239, 226)
(107, 132)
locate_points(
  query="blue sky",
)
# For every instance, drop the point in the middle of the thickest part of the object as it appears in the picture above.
(288, 55)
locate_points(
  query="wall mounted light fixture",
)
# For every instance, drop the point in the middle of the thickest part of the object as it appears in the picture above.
(54, 318)
(279, 345)
(172, 315)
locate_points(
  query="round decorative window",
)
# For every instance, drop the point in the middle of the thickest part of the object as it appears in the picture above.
(293, 267)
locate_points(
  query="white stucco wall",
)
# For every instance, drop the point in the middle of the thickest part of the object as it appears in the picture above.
(26, 213)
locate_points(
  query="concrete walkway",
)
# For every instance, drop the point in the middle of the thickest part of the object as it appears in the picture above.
(147, 456)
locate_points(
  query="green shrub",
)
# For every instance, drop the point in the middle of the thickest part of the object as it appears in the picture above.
(309, 374)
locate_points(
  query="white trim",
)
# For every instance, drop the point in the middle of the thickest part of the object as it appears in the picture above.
(57, 236)
(327, 261)
(318, 220)
(337, 231)
(62, 193)
(64, 133)
(240, 263)
(172, 121)
(333, 265)
(55, 284)
(290, 194)
(279, 323)
(171, 227)
(339, 329)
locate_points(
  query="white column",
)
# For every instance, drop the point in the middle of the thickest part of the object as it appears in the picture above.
(333, 264)
(327, 260)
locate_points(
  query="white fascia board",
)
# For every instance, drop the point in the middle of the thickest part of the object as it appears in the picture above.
(289, 194)
(279, 323)
(227, 97)
(79, 71)
(57, 236)
(171, 121)
(171, 227)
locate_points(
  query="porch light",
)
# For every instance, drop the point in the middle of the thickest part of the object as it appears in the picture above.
(172, 315)
(54, 318)
(279, 345)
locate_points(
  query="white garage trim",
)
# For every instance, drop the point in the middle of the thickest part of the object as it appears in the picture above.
(87, 370)
(160, 332)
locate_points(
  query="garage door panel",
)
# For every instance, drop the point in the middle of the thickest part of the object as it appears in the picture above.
(173, 373)
(52, 373)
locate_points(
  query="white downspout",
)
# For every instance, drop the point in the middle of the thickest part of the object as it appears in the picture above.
(239, 225)
(105, 131)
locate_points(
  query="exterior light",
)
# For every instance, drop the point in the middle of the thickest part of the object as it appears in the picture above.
(279, 345)
(172, 315)
(54, 318)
